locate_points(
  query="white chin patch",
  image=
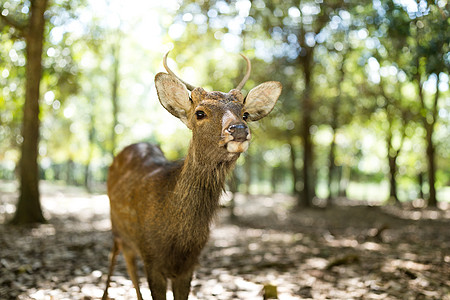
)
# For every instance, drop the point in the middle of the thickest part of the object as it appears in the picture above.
(237, 147)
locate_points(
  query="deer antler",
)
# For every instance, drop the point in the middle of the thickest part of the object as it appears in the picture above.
(189, 86)
(247, 75)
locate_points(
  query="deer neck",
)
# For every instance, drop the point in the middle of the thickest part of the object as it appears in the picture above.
(199, 186)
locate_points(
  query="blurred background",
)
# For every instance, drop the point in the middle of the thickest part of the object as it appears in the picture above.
(364, 113)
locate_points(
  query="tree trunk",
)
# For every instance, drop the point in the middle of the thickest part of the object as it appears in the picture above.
(233, 183)
(28, 207)
(91, 135)
(432, 201)
(275, 178)
(344, 180)
(429, 129)
(306, 110)
(332, 168)
(431, 150)
(295, 191)
(393, 197)
(392, 161)
(115, 95)
(334, 125)
(420, 181)
(248, 173)
(305, 61)
(70, 169)
(308, 174)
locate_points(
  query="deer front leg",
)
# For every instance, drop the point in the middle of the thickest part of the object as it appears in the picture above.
(181, 287)
(157, 283)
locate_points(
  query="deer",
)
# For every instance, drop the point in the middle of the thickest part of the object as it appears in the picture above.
(161, 210)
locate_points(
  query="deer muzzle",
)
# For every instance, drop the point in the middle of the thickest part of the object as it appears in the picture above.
(238, 138)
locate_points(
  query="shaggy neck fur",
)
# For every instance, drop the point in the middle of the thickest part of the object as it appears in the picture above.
(199, 186)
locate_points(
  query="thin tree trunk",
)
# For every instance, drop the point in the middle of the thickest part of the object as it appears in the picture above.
(430, 150)
(87, 171)
(334, 125)
(393, 197)
(332, 154)
(308, 172)
(295, 191)
(248, 173)
(28, 207)
(233, 184)
(420, 181)
(275, 178)
(70, 172)
(332, 167)
(305, 61)
(344, 180)
(306, 110)
(115, 95)
(432, 201)
(392, 161)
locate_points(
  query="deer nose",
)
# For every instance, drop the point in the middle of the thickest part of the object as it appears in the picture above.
(239, 132)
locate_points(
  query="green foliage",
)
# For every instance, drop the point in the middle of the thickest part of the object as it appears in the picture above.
(359, 64)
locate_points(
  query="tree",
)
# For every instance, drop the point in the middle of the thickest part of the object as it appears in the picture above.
(397, 119)
(424, 31)
(334, 124)
(30, 24)
(433, 36)
(32, 30)
(392, 104)
(297, 26)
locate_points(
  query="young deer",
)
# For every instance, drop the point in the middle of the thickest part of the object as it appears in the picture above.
(160, 210)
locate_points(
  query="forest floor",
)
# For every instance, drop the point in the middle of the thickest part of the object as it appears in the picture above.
(348, 251)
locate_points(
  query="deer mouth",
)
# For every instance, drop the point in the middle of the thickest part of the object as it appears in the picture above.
(236, 139)
(237, 147)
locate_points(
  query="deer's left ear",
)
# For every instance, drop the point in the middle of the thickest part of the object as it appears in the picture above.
(261, 99)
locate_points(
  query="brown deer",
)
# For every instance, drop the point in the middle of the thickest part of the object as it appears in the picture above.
(161, 211)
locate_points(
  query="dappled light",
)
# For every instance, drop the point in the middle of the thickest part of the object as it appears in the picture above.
(354, 251)
(363, 89)
(341, 192)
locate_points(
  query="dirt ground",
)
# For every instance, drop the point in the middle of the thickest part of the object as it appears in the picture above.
(344, 252)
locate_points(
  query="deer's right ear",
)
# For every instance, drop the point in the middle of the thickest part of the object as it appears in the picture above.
(261, 99)
(173, 95)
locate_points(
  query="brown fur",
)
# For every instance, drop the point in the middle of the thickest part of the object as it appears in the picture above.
(161, 211)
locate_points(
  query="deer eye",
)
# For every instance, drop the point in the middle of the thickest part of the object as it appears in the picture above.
(200, 114)
(245, 116)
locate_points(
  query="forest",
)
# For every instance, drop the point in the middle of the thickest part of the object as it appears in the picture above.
(357, 148)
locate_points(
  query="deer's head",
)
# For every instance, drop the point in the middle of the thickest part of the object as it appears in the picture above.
(218, 120)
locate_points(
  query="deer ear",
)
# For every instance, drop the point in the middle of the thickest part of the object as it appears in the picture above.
(173, 95)
(261, 99)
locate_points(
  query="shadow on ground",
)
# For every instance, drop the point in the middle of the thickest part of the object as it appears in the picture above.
(345, 252)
